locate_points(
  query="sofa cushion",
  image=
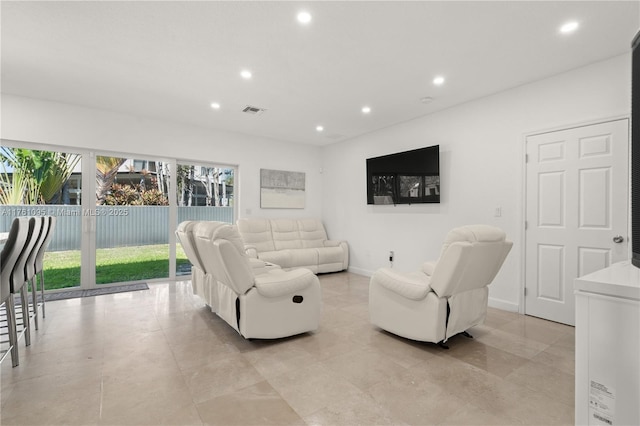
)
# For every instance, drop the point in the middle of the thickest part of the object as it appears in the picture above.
(304, 257)
(285, 234)
(256, 233)
(312, 233)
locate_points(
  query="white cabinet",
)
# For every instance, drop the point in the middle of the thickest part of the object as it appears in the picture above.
(608, 346)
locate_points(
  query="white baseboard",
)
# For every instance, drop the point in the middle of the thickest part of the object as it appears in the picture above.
(503, 305)
(360, 271)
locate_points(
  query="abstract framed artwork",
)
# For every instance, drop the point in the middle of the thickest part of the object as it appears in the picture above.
(281, 189)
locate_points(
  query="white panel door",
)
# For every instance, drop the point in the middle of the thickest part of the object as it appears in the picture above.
(576, 212)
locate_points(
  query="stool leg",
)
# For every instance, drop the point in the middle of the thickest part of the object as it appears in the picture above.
(34, 294)
(11, 325)
(42, 290)
(25, 314)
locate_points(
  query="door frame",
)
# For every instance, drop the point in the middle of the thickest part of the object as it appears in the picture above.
(89, 273)
(523, 192)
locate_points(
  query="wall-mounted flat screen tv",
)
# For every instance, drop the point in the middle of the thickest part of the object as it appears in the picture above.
(408, 177)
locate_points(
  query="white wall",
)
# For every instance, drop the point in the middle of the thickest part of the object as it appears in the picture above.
(481, 165)
(481, 145)
(38, 121)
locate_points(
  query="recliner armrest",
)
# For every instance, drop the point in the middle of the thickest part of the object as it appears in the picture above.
(258, 266)
(251, 251)
(429, 267)
(414, 285)
(277, 282)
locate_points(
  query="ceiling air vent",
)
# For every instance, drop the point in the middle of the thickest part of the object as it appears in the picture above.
(253, 110)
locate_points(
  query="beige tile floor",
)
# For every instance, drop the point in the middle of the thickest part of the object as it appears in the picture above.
(161, 357)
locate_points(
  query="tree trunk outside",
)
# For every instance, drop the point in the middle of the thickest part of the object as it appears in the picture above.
(106, 177)
(190, 185)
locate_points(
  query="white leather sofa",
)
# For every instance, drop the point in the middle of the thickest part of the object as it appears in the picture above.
(294, 243)
(445, 297)
(201, 282)
(255, 301)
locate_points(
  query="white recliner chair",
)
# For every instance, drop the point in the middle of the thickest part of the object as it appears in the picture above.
(447, 296)
(268, 305)
(200, 282)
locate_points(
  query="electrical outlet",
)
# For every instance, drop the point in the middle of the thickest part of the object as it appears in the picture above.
(391, 254)
(498, 212)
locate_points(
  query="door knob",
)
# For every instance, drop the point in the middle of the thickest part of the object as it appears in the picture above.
(618, 239)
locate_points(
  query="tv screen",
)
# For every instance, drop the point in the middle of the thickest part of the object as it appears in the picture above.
(635, 150)
(407, 177)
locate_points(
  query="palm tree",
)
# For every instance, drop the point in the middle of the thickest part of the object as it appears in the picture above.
(36, 176)
(13, 188)
(106, 171)
(60, 171)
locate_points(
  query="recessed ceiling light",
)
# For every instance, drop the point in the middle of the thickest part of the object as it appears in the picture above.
(426, 100)
(366, 110)
(246, 74)
(569, 27)
(319, 128)
(304, 17)
(215, 105)
(438, 81)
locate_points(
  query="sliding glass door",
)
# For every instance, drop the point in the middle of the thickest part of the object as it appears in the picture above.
(117, 214)
(132, 219)
(203, 192)
(38, 182)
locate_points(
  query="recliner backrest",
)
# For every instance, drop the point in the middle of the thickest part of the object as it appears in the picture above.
(187, 240)
(471, 257)
(221, 251)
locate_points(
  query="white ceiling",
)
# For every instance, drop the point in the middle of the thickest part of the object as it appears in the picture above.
(170, 60)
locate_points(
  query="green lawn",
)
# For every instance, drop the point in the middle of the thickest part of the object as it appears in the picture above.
(62, 268)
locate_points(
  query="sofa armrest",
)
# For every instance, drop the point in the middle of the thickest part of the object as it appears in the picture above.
(251, 251)
(345, 249)
(332, 243)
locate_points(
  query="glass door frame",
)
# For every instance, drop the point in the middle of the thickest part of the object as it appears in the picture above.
(89, 273)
